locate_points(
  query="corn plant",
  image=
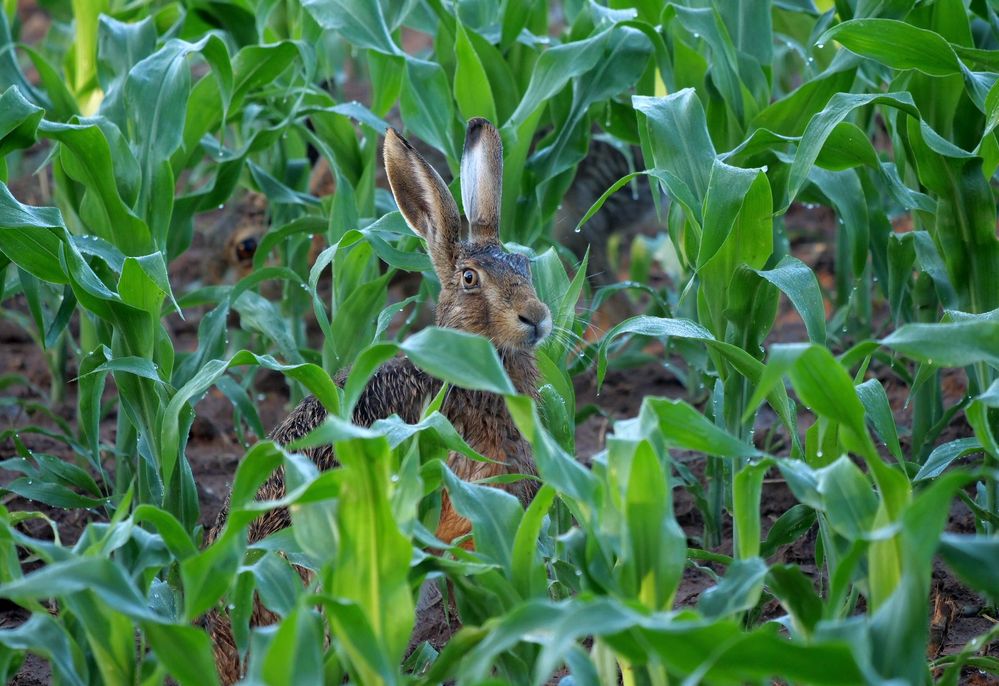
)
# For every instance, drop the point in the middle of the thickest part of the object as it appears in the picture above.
(145, 119)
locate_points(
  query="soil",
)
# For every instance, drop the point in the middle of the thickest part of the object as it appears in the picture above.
(214, 448)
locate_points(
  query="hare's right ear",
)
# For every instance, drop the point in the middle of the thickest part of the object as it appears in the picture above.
(424, 201)
(482, 180)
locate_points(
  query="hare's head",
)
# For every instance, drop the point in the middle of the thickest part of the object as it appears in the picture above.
(484, 289)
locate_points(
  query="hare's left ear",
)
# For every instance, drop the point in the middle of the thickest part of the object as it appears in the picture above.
(482, 180)
(424, 201)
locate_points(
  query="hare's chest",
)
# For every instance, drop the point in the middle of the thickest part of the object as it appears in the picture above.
(492, 434)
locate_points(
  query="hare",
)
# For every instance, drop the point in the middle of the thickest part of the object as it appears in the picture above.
(233, 241)
(627, 212)
(484, 290)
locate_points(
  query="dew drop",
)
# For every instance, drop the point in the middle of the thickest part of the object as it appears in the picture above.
(929, 360)
(696, 35)
(221, 206)
(820, 45)
(811, 60)
(818, 454)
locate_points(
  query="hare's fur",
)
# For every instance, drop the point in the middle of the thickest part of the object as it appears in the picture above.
(497, 300)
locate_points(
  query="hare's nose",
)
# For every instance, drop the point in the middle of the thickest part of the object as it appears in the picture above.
(539, 324)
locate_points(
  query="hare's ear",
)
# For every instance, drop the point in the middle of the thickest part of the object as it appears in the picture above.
(482, 180)
(424, 201)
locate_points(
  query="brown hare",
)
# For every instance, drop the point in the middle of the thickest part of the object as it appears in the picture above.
(484, 290)
(628, 212)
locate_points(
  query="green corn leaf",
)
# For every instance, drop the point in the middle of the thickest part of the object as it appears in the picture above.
(494, 515)
(72, 575)
(574, 483)
(120, 45)
(471, 85)
(690, 155)
(796, 593)
(801, 286)
(897, 44)
(728, 192)
(738, 590)
(44, 635)
(948, 344)
(658, 545)
(747, 489)
(822, 125)
(684, 427)
(53, 494)
(875, 400)
(706, 24)
(790, 526)
(10, 68)
(276, 582)
(790, 115)
(693, 648)
(373, 557)
(458, 358)
(362, 23)
(314, 378)
(975, 559)
(847, 498)
(32, 237)
(943, 455)
(427, 106)
(185, 651)
(965, 220)
(19, 121)
(526, 568)
(553, 70)
(87, 157)
(742, 361)
(626, 57)
(297, 644)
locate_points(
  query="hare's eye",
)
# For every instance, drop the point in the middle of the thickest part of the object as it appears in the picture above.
(470, 278)
(246, 247)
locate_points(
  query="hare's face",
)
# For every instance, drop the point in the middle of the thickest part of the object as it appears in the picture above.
(484, 289)
(490, 294)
